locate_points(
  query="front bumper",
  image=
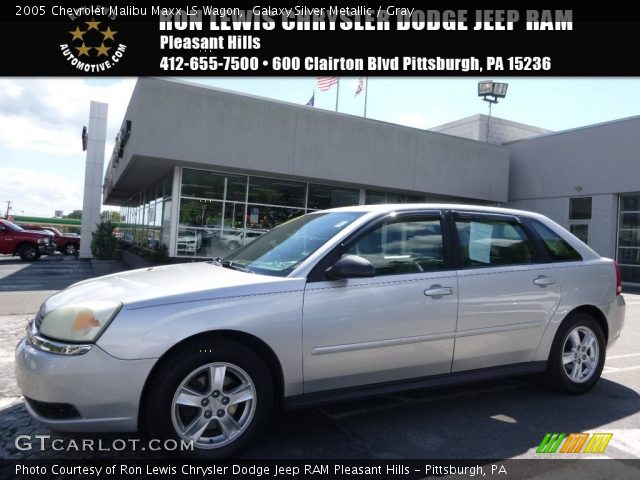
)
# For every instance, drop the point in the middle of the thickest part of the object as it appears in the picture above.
(47, 249)
(104, 390)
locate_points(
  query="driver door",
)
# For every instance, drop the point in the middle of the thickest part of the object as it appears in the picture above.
(397, 325)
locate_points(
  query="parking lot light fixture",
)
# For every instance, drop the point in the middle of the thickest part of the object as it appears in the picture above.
(490, 92)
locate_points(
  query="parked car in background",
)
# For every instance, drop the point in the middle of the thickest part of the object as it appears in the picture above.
(29, 244)
(234, 239)
(189, 241)
(337, 304)
(66, 243)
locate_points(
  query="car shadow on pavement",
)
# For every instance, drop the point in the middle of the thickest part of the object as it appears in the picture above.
(499, 419)
(51, 272)
(491, 420)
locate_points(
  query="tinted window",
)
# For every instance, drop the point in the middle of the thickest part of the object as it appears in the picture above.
(405, 245)
(580, 208)
(557, 248)
(488, 242)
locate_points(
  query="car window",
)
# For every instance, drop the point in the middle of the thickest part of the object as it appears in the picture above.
(405, 245)
(557, 248)
(489, 242)
(281, 250)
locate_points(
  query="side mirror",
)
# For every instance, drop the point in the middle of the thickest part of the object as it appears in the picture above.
(350, 266)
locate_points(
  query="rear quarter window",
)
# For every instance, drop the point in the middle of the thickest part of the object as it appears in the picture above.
(557, 248)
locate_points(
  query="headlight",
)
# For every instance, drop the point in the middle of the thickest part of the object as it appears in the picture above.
(43, 240)
(81, 322)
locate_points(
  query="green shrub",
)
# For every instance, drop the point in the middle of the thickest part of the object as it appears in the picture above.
(103, 243)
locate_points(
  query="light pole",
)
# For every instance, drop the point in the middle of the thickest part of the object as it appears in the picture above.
(491, 91)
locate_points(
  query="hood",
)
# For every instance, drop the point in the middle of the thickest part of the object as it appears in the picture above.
(42, 233)
(171, 284)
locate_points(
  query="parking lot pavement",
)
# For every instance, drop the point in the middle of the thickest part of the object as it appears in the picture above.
(499, 419)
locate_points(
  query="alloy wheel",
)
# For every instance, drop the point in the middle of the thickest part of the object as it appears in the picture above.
(213, 405)
(580, 354)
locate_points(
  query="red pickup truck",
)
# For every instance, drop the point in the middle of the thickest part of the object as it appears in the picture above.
(15, 240)
(66, 243)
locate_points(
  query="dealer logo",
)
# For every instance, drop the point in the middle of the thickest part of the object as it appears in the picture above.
(93, 46)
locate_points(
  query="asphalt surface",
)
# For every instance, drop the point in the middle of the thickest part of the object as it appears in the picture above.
(491, 420)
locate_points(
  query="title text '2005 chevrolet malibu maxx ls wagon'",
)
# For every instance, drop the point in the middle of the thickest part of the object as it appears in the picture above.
(332, 305)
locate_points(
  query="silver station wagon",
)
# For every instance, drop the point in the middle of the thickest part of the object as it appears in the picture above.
(333, 305)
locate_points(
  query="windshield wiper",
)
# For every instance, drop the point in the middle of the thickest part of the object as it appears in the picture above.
(217, 261)
(235, 266)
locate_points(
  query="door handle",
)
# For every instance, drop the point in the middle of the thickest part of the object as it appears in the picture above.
(438, 291)
(544, 281)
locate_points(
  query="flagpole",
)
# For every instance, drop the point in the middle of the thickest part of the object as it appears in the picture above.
(337, 93)
(366, 95)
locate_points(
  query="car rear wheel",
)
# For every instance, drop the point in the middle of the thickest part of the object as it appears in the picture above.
(577, 355)
(29, 252)
(69, 249)
(217, 395)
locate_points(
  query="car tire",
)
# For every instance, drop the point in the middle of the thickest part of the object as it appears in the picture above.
(577, 355)
(29, 252)
(69, 249)
(184, 400)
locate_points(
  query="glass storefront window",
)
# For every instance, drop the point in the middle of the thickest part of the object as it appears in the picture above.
(213, 185)
(630, 220)
(630, 203)
(629, 238)
(374, 197)
(272, 191)
(322, 197)
(630, 274)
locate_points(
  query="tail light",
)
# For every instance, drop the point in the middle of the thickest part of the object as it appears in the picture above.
(618, 278)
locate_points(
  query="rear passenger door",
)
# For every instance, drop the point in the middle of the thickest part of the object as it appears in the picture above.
(507, 293)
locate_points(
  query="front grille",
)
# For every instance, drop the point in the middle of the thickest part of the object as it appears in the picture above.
(54, 411)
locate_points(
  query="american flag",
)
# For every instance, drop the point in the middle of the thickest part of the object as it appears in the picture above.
(325, 83)
(360, 87)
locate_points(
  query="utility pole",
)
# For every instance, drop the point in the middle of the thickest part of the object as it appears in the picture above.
(8, 208)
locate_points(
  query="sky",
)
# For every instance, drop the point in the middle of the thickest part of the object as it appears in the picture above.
(41, 119)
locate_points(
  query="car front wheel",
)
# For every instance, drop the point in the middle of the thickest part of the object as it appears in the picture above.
(29, 252)
(215, 395)
(69, 249)
(577, 355)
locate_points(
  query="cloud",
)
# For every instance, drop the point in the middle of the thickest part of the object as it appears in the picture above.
(38, 193)
(47, 115)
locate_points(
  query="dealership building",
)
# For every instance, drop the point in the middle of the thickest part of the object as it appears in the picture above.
(199, 171)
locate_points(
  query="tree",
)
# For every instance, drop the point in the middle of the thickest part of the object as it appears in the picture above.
(76, 214)
(111, 216)
(103, 243)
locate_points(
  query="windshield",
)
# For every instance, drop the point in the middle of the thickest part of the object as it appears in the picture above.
(279, 251)
(12, 226)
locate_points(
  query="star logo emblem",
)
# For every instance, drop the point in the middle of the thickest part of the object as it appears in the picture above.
(92, 24)
(103, 50)
(83, 50)
(77, 34)
(93, 48)
(108, 34)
